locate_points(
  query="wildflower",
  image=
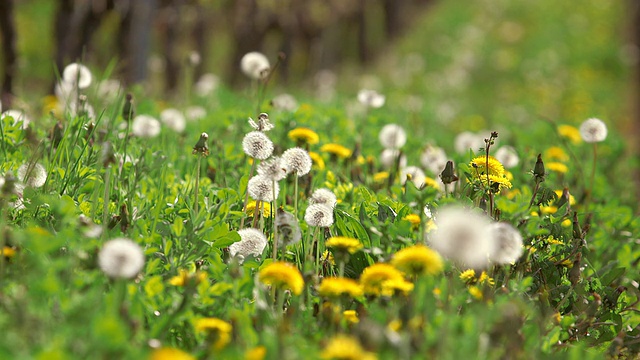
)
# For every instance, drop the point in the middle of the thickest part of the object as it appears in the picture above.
(429, 182)
(468, 276)
(288, 229)
(250, 209)
(263, 124)
(303, 135)
(434, 159)
(476, 292)
(507, 156)
(380, 177)
(414, 174)
(219, 330)
(282, 275)
(389, 157)
(344, 347)
(374, 276)
(392, 136)
(121, 258)
(448, 175)
(484, 278)
(371, 98)
(323, 196)
(414, 219)
(483, 166)
(263, 188)
(336, 150)
(297, 160)
(284, 102)
(319, 215)
(33, 175)
(467, 140)
(418, 260)
(206, 84)
(396, 286)
(77, 74)
(257, 145)
(560, 193)
(557, 167)
(571, 133)
(185, 278)
(317, 161)
(339, 286)
(145, 126)
(257, 353)
(351, 316)
(252, 243)
(463, 236)
(173, 119)
(167, 353)
(255, 65)
(8, 252)
(508, 243)
(201, 146)
(273, 169)
(344, 244)
(556, 153)
(18, 116)
(593, 130)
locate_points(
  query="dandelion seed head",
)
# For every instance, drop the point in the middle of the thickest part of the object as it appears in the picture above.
(593, 130)
(108, 90)
(207, 84)
(323, 196)
(255, 65)
(288, 229)
(319, 215)
(434, 159)
(285, 102)
(507, 242)
(262, 124)
(508, 156)
(262, 188)
(274, 169)
(18, 116)
(413, 173)
(145, 126)
(467, 140)
(392, 136)
(195, 113)
(257, 145)
(77, 74)
(371, 98)
(298, 161)
(34, 175)
(121, 258)
(252, 243)
(173, 119)
(388, 158)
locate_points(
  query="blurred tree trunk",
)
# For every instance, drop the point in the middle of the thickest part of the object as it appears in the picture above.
(138, 40)
(393, 16)
(9, 54)
(61, 29)
(169, 20)
(199, 34)
(245, 36)
(361, 19)
(635, 10)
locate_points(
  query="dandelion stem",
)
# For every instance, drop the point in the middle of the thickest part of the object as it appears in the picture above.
(246, 197)
(295, 197)
(273, 221)
(593, 178)
(197, 185)
(105, 201)
(535, 192)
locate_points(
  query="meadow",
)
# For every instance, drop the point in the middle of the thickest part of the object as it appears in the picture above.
(466, 196)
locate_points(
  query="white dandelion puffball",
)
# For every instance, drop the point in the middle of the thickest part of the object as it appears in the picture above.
(121, 258)
(263, 189)
(467, 140)
(593, 130)
(297, 161)
(413, 173)
(108, 90)
(77, 74)
(252, 242)
(206, 84)
(319, 215)
(195, 113)
(145, 126)
(75, 109)
(323, 196)
(273, 169)
(255, 65)
(285, 102)
(262, 124)
(434, 159)
(463, 236)
(257, 145)
(34, 175)
(173, 119)
(507, 156)
(288, 229)
(371, 98)
(507, 243)
(388, 158)
(392, 136)
(65, 92)
(18, 116)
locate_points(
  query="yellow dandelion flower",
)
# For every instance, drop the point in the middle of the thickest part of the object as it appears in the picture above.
(344, 347)
(556, 153)
(185, 277)
(336, 150)
(282, 275)
(257, 353)
(395, 325)
(351, 316)
(304, 135)
(430, 182)
(414, 219)
(396, 286)
(548, 209)
(570, 132)
(557, 167)
(167, 353)
(475, 292)
(374, 276)
(328, 257)
(484, 278)
(502, 181)
(8, 252)
(343, 243)
(553, 241)
(437, 292)
(482, 166)
(317, 160)
(338, 286)
(572, 199)
(468, 276)
(380, 177)
(418, 260)
(566, 223)
(219, 329)
(251, 209)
